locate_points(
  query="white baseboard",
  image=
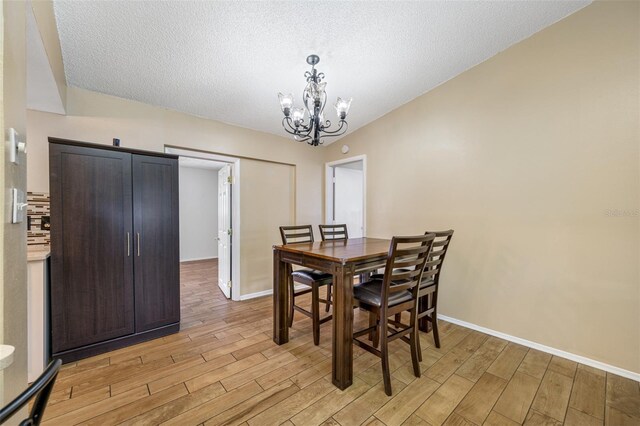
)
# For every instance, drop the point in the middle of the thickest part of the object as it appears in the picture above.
(198, 258)
(553, 351)
(266, 293)
(256, 294)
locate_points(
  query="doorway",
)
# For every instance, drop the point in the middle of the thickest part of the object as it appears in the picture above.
(267, 195)
(209, 217)
(346, 194)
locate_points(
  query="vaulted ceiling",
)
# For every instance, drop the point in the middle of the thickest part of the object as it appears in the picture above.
(227, 60)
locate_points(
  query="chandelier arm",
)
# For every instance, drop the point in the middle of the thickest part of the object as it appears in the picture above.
(303, 139)
(339, 131)
(286, 124)
(292, 130)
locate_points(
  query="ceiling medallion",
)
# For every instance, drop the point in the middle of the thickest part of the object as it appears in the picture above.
(308, 124)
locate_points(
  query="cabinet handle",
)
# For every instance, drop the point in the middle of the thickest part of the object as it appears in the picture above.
(138, 235)
(128, 245)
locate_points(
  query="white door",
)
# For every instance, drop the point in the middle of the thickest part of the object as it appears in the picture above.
(348, 199)
(224, 230)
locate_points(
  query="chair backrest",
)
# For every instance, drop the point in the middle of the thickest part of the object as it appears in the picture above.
(40, 389)
(436, 257)
(296, 234)
(333, 232)
(405, 265)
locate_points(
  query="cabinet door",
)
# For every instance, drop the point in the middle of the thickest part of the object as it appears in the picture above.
(157, 245)
(91, 244)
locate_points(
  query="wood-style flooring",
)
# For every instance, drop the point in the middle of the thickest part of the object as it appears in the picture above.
(223, 368)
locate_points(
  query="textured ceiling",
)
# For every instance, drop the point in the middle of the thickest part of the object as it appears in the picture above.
(227, 60)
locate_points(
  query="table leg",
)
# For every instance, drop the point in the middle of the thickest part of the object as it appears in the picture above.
(342, 361)
(280, 300)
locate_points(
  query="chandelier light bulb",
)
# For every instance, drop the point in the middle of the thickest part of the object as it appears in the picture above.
(342, 107)
(298, 116)
(286, 103)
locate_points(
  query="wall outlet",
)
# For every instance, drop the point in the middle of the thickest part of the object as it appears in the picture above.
(45, 223)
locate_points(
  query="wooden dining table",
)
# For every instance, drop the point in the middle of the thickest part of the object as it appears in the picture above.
(343, 259)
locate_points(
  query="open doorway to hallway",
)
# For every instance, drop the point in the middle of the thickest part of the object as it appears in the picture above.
(346, 194)
(267, 191)
(205, 218)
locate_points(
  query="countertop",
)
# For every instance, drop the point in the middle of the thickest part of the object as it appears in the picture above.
(37, 253)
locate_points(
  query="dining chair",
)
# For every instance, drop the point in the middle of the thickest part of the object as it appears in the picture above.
(310, 278)
(333, 232)
(395, 293)
(40, 389)
(339, 233)
(428, 290)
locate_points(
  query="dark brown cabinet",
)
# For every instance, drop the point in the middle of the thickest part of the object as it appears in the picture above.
(156, 225)
(114, 247)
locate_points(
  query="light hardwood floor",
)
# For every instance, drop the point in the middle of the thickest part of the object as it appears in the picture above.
(223, 368)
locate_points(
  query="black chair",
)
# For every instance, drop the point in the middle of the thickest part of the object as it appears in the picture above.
(41, 390)
(308, 277)
(395, 293)
(333, 232)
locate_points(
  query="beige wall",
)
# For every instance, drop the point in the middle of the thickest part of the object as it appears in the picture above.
(46, 20)
(264, 189)
(95, 117)
(524, 155)
(13, 276)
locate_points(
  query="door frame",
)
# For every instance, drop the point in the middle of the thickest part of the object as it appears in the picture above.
(328, 187)
(235, 208)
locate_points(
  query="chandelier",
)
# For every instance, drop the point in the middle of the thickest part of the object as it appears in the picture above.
(309, 124)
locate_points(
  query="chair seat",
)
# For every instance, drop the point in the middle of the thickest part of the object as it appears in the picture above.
(371, 294)
(311, 275)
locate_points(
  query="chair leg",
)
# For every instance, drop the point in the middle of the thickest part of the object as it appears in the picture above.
(326, 306)
(386, 371)
(418, 345)
(291, 300)
(315, 314)
(374, 335)
(414, 342)
(434, 323)
(423, 305)
(398, 317)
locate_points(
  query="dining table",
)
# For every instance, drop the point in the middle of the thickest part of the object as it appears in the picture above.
(344, 259)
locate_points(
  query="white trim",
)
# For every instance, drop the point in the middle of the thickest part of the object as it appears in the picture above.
(235, 214)
(268, 292)
(256, 294)
(553, 351)
(328, 188)
(195, 259)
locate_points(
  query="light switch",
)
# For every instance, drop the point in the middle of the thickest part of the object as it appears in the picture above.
(15, 145)
(18, 205)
